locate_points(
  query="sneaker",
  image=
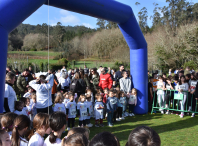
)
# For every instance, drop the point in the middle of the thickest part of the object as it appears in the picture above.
(88, 125)
(181, 115)
(101, 125)
(133, 114)
(68, 128)
(117, 119)
(122, 118)
(193, 115)
(130, 115)
(97, 125)
(167, 112)
(79, 126)
(110, 125)
(162, 112)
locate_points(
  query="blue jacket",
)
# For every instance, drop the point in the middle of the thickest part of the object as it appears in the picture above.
(111, 104)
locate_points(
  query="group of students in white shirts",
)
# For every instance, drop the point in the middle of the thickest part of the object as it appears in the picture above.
(184, 90)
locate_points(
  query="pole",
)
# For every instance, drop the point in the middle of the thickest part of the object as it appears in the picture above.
(84, 57)
(27, 61)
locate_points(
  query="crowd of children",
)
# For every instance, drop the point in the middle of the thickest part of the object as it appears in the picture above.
(174, 94)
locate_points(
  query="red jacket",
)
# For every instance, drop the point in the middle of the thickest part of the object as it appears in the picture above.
(105, 81)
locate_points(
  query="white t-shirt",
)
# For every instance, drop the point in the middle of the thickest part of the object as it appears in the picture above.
(72, 109)
(82, 107)
(20, 112)
(59, 107)
(65, 101)
(160, 85)
(36, 140)
(64, 82)
(57, 143)
(11, 95)
(23, 142)
(98, 112)
(192, 84)
(27, 95)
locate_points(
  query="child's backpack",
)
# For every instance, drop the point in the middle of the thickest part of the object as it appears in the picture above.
(74, 85)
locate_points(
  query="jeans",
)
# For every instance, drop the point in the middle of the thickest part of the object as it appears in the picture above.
(72, 121)
(124, 108)
(110, 118)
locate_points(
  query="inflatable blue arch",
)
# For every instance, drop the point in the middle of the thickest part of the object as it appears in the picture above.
(14, 12)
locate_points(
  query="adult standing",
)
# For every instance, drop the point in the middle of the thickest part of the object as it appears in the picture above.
(10, 95)
(105, 79)
(118, 75)
(63, 69)
(64, 81)
(43, 87)
(30, 70)
(54, 88)
(94, 79)
(23, 81)
(82, 84)
(86, 70)
(125, 83)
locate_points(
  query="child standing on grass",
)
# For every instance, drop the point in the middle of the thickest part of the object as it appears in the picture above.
(123, 101)
(91, 110)
(59, 106)
(111, 107)
(98, 108)
(160, 93)
(132, 101)
(66, 99)
(71, 111)
(82, 110)
(119, 109)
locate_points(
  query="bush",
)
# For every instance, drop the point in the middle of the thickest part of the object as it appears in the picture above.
(190, 64)
(33, 50)
(41, 66)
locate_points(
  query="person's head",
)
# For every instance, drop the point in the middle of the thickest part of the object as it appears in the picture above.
(98, 97)
(193, 77)
(85, 66)
(30, 89)
(59, 98)
(21, 125)
(134, 91)
(57, 122)
(116, 94)
(125, 74)
(79, 130)
(8, 68)
(82, 98)
(64, 75)
(71, 96)
(113, 71)
(148, 72)
(4, 138)
(182, 80)
(104, 139)
(181, 73)
(106, 90)
(122, 94)
(160, 78)
(121, 67)
(63, 67)
(19, 105)
(42, 78)
(154, 75)
(164, 75)
(88, 91)
(144, 136)
(40, 124)
(111, 93)
(176, 79)
(77, 76)
(30, 68)
(66, 95)
(151, 79)
(33, 96)
(188, 76)
(168, 80)
(10, 78)
(75, 140)
(27, 101)
(7, 121)
(187, 68)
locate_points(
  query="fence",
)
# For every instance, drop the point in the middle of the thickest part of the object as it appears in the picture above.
(177, 100)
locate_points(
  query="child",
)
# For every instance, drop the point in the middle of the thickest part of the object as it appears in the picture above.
(21, 125)
(19, 105)
(7, 122)
(111, 107)
(66, 100)
(79, 130)
(132, 101)
(123, 101)
(59, 106)
(89, 93)
(119, 110)
(40, 128)
(104, 139)
(160, 93)
(57, 122)
(115, 113)
(106, 92)
(144, 136)
(98, 108)
(183, 86)
(33, 106)
(4, 138)
(75, 140)
(91, 111)
(71, 111)
(28, 108)
(82, 110)
(28, 94)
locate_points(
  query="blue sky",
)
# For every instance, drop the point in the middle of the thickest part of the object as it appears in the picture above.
(72, 18)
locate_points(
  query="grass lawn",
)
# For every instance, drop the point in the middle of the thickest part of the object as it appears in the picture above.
(172, 130)
(91, 64)
(35, 53)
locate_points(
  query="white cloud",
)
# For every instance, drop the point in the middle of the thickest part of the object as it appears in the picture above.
(87, 25)
(70, 19)
(64, 12)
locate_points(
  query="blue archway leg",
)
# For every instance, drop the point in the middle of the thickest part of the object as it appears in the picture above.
(3, 62)
(138, 62)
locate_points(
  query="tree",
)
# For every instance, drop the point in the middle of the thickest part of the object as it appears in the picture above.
(58, 33)
(111, 25)
(156, 16)
(101, 23)
(143, 15)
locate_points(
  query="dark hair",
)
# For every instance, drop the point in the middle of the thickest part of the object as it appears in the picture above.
(164, 74)
(176, 78)
(41, 119)
(75, 139)
(180, 83)
(17, 104)
(42, 77)
(7, 121)
(144, 136)
(56, 122)
(104, 139)
(30, 88)
(80, 130)
(20, 123)
(194, 76)
(121, 65)
(111, 90)
(98, 96)
(160, 77)
(153, 74)
(188, 75)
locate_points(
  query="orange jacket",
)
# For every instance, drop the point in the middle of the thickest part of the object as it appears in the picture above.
(54, 88)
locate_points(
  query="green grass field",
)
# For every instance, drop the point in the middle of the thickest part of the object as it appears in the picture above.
(35, 53)
(172, 130)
